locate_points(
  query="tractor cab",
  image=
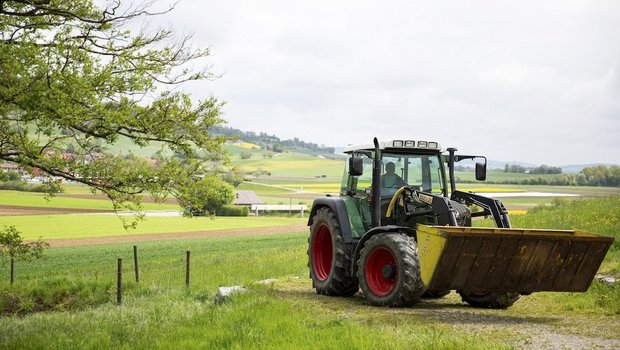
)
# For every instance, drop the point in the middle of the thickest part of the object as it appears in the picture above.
(414, 165)
(418, 165)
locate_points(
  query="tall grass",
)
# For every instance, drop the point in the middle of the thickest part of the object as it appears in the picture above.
(159, 313)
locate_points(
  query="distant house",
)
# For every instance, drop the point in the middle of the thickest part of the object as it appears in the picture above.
(247, 198)
(7, 166)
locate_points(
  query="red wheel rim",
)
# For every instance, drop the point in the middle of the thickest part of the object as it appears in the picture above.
(379, 284)
(322, 252)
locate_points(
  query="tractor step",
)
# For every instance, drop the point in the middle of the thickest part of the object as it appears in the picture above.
(504, 260)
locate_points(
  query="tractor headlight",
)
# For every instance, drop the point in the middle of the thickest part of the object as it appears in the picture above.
(432, 145)
(422, 144)
(397, 143)
(409, 143)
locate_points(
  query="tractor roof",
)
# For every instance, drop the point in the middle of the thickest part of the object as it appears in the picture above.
(398, 146)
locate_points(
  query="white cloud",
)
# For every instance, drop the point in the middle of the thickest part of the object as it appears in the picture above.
(522, 80)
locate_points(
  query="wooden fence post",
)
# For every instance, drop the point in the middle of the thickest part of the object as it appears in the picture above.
(119, 283)
(135, 263)
(12, 270)
(187, 269)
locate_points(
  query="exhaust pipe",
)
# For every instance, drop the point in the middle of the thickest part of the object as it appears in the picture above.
(376, 183)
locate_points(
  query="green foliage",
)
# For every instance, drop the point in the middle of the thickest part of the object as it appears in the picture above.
(59, 294)
(76, 80)
(12, 245)
(20, 185)
(598, 215)
(269, 141)
(592, 176)
(246, 155)
(9, 176)
(542, 169)
(233, 177)
(233, 210)
(206, 195)
(601, 176)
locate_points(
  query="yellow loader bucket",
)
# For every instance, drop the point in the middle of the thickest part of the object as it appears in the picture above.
(504, 260)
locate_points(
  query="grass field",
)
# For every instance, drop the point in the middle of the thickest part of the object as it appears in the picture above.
(158, 313)
(32, 199)
(75, 288)
(49, 227)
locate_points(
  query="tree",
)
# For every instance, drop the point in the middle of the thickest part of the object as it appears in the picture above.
(206, 195)
(13, 246)
(73, 74)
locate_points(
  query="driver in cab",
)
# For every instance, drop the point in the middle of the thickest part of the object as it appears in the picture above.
(390, 181)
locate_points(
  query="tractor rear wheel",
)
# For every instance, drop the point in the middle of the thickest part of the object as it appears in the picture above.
(490, 300)
(329, 258)
(389, 270)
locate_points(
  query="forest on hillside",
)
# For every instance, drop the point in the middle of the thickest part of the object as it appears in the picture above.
(272, 142)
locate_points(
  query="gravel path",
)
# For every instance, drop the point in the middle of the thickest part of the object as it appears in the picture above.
(518, 326)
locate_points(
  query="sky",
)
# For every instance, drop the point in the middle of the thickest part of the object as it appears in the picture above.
(523, 81)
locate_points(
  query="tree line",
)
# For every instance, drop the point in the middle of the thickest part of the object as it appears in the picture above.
(543, 169)
(591, 176)
(272, 142)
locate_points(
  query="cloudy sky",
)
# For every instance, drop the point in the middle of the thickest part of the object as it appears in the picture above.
(531, 81)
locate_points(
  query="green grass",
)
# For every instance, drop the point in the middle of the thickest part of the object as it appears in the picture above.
(49, 227)
(76, 287)
(261, 189)
(598, 215)
(31, 199)
(159, 313)
(292, 165)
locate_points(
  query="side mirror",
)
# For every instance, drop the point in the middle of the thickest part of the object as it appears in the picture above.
(356, 166)
(481, 171)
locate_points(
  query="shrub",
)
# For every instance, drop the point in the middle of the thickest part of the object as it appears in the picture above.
(26, 187)
(232, 210)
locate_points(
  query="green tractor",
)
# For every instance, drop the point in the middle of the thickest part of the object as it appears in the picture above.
(399, 233)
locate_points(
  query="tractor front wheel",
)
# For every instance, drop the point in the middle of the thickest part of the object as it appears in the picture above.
(490, 300)
(389, 270)
(329, 258)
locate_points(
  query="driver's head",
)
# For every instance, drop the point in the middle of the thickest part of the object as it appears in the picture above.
(390, 168)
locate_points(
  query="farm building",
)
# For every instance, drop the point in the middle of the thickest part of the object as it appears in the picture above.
(247, 198)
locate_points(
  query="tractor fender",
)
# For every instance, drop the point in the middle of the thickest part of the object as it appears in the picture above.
(339, 208)
(373, 232)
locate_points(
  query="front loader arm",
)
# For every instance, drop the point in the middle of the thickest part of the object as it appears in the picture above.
(490, 206)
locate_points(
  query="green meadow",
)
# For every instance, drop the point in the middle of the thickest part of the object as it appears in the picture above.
(49, 227)
(33, 199)
(68, 300)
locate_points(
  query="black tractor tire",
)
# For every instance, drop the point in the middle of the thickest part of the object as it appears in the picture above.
(329, 258)
(490, 300)
(435, 293)
(389, 270)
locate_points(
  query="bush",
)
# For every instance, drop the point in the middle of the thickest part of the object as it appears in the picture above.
(232, 210)
(26, 187)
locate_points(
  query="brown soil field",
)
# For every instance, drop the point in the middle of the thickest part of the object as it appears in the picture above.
(8, 210)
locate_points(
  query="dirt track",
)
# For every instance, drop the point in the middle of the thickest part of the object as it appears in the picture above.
(9, 210)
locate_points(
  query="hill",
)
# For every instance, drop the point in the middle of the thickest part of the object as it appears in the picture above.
(273, 143)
